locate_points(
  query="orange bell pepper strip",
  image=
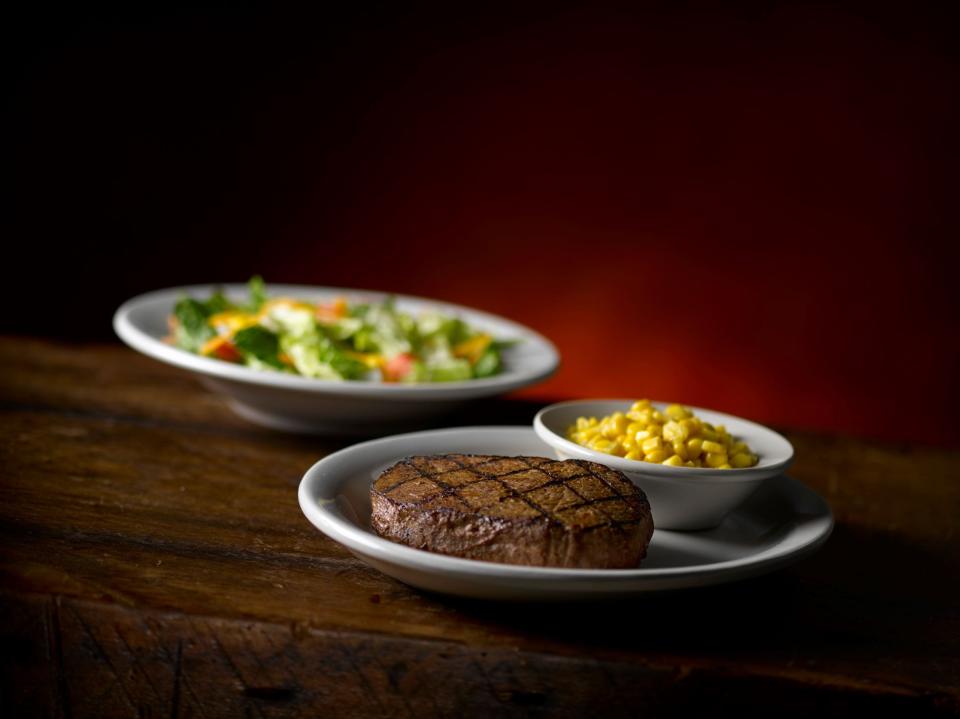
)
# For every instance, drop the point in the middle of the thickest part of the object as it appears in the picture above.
(473, 348)
(334, 311)
(221, 348)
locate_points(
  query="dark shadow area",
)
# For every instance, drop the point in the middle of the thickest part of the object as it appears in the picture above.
(855, 597)
(617, 176)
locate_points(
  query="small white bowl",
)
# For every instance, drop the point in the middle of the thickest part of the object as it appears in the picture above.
(681, 498)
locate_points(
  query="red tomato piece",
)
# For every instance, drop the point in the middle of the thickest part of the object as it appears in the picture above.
(398, 367)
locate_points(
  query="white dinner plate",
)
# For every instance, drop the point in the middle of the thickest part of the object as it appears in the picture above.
(781, 522)
(305, 404)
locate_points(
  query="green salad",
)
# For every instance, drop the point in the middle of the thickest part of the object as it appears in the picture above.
(338, 340)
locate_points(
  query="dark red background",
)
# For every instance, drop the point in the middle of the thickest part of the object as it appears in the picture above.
(750, 208)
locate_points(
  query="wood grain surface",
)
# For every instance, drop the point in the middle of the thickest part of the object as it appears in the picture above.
(154, 561)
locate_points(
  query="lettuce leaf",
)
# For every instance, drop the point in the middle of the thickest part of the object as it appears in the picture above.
(315, 355)
(489, 363)
(261, 344)
(452, 370)
(258, 293)
(387, 331)
(218, 302)
(192, 327)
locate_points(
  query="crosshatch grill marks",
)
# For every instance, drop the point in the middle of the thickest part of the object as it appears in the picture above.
(580, 511)
(568, 492)
(402, 472)
(472, 495)
(471, 459)
(443, 488)
(458, 478)
(528, 480)
(501, 462)
(515, 510)
(573, 512)
(445, 462)
(422, 489)
(557, 496)
(589, 487)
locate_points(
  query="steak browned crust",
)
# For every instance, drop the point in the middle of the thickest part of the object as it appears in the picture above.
(514, 510)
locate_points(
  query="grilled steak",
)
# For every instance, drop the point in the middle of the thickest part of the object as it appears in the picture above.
(515, 510)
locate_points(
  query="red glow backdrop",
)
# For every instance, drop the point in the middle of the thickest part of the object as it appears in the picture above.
(749, 211)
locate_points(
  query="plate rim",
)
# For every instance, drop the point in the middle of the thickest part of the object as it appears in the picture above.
(357, 539)
(140, 340)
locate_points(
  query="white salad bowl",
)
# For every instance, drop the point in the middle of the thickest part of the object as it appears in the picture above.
(681, 498)
(305, 404)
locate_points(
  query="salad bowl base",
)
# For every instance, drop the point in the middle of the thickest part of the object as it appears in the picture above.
(326, 415)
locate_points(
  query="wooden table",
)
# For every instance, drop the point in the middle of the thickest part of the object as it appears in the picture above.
(154, 561)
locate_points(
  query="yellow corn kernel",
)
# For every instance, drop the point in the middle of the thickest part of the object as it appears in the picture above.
(742, 459)
(613, 426)
(694, 447)
(724, 466)
(617, 449)
(601, 444)
(677, 412)
(652, 444)
(644, 416)
(673, 461)
(675, 432)
(692, 424)
(680, 449)
(657, 455)
(715, 459)
(714, 447)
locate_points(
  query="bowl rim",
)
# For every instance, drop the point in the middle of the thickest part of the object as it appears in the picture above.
(144, 342)
(648, 470)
